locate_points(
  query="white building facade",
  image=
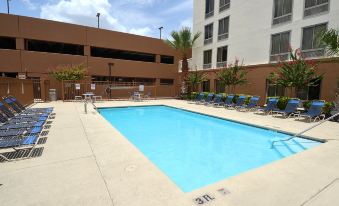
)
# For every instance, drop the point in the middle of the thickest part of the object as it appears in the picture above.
(259, 31)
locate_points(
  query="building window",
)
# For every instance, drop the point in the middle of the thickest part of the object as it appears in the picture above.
(166, 81)
(222, 56)
(166, 59)
(282, 11)
(274, 90)
(223, 5)
(208, 34)
(311, 92)
(53, 47)
(205, 86)
(313, 7)
(120, 54)
(209, 8)
(280, 46)
(207, 59)
(223, 28)
(219, 87)
(130, 80)
(311, 42)
(9, 74)
(7, 43)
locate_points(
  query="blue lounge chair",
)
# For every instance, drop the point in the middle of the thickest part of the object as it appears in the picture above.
(253, 104)
(239, 103)
(217, 100)
(23, 117)
(208, 99)
(18, 110)
(315, 111)
(198, 97)
(31, 110)
(290, 109)
(228, 100)
(271, 105)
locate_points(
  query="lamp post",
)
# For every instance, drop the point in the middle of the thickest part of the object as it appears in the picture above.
(98, 15)
(8, 6)
(110, 78)
(160, 28)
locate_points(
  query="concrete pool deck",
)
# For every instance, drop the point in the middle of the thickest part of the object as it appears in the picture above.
(88, 162)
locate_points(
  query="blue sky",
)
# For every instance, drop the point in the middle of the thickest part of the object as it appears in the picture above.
(142, 17)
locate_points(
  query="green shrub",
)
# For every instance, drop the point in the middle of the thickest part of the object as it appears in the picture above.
(193, 95)
(235, 98)
(247, 99)
(282, 102)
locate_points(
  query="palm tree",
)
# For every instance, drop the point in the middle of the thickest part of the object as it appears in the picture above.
(232, 76)
(331, 39)
(183, 41)
(195, 78)
(296, 74)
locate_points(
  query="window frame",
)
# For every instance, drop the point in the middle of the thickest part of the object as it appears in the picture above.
(225, 6)
(316, 6)
(283, 16)
(207, 65)
(312, 50)
(222, 64)
(209, 40)
(271, 45)
(210, 13)
(224, 36)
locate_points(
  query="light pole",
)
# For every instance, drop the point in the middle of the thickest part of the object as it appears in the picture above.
(110, 78)
(98, 15)
(160, 28)
(8, 6)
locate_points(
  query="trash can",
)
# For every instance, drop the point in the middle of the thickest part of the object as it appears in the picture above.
(52, 95)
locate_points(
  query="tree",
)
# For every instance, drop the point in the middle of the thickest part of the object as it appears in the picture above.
(296, 74)
(331, 40)
(232, 75)
(69, 72)
(195, 78)
(183, 41)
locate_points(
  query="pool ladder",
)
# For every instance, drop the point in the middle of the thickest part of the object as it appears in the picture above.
(85, 105)
(302, 132)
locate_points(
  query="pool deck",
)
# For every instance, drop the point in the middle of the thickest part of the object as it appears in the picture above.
(88, 162)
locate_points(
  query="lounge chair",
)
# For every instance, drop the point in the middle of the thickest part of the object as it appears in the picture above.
(315, 111)
(198, 97)
(19, 143)
(252, 105)
(217, 100)
(271, 105)
(228, 101)
(22, 117)
(208, 99)
(18, 108)
(239, 103)
(290, 109)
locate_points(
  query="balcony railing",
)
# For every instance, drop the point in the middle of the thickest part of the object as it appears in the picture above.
(314, 53)
(208, 41)
(222, 36)
(224, 7)
(279, 57)
(221, 64)
(282, 19)
(207, 66)
(316, 9)
(207, 15)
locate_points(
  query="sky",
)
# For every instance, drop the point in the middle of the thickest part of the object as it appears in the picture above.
(142, 17)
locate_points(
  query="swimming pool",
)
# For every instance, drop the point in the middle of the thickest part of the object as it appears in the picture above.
(196, 150)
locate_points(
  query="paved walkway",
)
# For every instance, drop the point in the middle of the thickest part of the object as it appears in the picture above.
(88, 162)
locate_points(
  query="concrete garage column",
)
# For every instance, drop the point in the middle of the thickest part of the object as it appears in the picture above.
(20, 44)
(157, 59)
(87, 50)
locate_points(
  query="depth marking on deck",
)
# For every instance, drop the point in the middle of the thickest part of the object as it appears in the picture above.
(209, 197)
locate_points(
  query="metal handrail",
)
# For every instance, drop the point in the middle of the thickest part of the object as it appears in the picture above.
(302, 132)
(85, 105)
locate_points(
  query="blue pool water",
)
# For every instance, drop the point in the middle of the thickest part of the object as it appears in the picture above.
(196, 150)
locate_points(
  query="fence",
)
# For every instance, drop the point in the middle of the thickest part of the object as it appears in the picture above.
(115, 90)
(22, 89)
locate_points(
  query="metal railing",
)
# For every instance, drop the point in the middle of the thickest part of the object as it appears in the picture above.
(306, 130)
